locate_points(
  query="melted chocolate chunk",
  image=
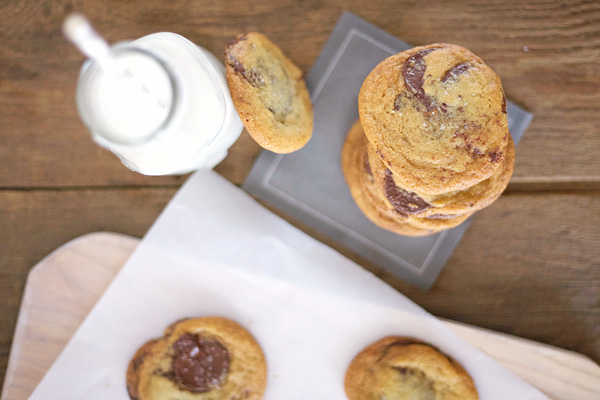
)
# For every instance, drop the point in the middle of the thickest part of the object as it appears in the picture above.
(456, 71)
(367, 164)
(503, 103)
(413, 72)
(199, 364)
(468, 144)
(398, 102)
(237, 40)
(402, 370)
(254, 77)
(495, 156)
(138, 361)
(405, 203)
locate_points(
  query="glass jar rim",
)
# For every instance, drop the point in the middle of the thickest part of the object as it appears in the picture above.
(100, 133)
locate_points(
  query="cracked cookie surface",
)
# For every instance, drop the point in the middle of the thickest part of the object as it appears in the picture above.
(436, 116)
(269, 93)
(401, 368)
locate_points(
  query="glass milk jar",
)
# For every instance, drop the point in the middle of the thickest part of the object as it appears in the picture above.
(162, 105)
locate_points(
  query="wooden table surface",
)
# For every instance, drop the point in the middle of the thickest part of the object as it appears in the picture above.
(529, 265)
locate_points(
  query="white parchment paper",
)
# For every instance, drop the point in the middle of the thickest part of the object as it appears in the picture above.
(215, 251)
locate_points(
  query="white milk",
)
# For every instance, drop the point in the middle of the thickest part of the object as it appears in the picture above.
(161, 104)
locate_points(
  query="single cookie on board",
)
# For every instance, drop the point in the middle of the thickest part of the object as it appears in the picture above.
(269, 93)
(452, 203)
(436, 116)
(208, 358)
(370, 197)
(402, 368)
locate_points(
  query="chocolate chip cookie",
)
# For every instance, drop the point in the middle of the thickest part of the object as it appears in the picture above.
(448, 204)
(402, 368)
(398, 215)
(208, 358)
(269, 94)
(436, 116)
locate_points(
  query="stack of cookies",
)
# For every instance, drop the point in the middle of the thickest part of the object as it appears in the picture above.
(432, 145)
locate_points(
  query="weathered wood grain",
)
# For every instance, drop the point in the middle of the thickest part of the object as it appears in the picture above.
(35, 223)
(555, 75)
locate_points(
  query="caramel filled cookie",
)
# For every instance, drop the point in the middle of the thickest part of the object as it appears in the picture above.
(208, 358)
(269, 94)
(436, 116)
(399, 368)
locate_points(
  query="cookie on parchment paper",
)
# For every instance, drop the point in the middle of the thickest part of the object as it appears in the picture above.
(403, 368)
(209, 358)
(269, 93)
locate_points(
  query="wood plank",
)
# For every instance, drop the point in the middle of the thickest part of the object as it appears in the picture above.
(36, 222)
(74, 276)
(73, 292)
(557, 77)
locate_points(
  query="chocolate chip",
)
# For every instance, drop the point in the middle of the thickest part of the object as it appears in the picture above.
(402, 370)
(413, 72)
(199, 364)
(404, 202)
(253, 77)
(503, 102)
(455, 71)
(495, 156)
(397, 102)
(138, 361)
(367, 165)
(236, 41)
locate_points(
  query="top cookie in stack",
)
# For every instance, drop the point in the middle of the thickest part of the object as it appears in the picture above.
(436, 116)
